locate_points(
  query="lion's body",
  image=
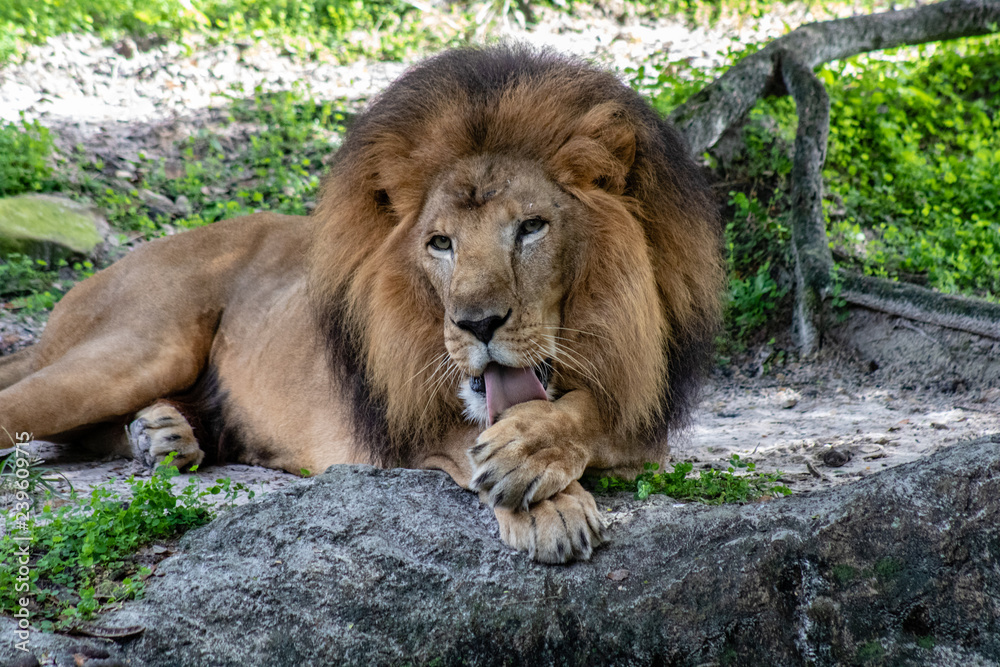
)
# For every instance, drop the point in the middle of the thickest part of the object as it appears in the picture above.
(498, 217)
(222, 306)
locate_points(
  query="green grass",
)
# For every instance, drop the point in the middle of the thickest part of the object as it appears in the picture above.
(276, 165)
(739, 482)
(341, 28)
(83, 555)
(25, 158)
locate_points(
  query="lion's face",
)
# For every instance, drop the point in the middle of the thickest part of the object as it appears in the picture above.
(498, 241)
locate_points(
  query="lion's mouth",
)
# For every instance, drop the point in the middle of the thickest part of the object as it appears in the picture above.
(505, 387)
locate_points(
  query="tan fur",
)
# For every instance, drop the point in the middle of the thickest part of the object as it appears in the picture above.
(300, 343)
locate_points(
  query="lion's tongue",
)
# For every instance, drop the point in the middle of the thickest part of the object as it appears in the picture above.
(506, 386)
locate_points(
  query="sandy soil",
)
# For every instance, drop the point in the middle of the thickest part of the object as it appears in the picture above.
(821, 423)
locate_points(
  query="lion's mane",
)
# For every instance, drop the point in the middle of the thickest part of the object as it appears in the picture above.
(656, 221)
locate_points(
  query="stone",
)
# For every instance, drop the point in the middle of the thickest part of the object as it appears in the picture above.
(787, 398)
(162, 205)
(49, 227)
(361, 566)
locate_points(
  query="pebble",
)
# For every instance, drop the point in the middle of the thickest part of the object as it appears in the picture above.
(787, 398)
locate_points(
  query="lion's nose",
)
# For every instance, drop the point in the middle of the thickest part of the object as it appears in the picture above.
(484, 328)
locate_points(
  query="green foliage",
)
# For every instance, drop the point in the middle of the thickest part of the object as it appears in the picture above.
(740, 482)
(37, 482)
(752, 301)
(913, 161)
(20, 274)
(279, 169)
(844, 574)
(757, 234)
(83, 555)
(888, 568)
(34, 285)
(871, 653)
(25, 153)
(393, 24)
(910, 174)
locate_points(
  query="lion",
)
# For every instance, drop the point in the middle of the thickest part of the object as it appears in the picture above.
(513, 275)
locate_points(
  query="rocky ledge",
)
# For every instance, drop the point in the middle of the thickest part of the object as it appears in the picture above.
(361, 566)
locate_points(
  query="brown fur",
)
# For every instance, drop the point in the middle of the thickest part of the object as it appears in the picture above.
(300, 343)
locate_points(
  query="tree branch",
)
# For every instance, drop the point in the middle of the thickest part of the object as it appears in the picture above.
(922, 305)
(708, 114)
(786, 66)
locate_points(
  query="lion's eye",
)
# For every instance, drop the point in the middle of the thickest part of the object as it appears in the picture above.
(532, 226)
(442, 243)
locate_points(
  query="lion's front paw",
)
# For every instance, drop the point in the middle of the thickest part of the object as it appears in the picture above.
(526, 457)
(563, 528)
(159, 430)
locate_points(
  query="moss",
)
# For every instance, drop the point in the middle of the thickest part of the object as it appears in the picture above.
(46, 227)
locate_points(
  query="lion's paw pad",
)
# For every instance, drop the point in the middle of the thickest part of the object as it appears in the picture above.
(159, 430)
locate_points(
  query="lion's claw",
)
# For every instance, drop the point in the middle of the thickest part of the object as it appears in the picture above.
(159, 430)
(525, 457)
(560, 529)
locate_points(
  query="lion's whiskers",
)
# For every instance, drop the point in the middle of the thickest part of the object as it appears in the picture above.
(436, 360)
(451, 373)
(575, 362)
(442, 364)
(586, 333)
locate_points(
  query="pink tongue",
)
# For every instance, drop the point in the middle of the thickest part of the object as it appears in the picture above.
(506, 387)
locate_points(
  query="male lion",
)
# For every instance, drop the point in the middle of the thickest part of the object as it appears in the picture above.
(513, 275)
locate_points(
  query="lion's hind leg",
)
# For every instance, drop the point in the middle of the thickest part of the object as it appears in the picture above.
(159, 430)
(15, 367)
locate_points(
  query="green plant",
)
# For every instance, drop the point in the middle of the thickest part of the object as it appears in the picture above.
(752, 301)
(844, 574)
(392, 26)
(913, 157)
(83, 555)
(20, 274)
(739, 482)
(872, 653)
(34, 286)
(25, 155)
(37, 482)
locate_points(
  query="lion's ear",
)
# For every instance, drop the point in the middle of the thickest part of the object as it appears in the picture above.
(600, 151)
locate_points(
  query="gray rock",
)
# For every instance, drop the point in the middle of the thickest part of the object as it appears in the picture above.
(162, 205)
(49, 227)
(360, 566)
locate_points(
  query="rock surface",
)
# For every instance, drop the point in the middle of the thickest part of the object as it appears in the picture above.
(360, 566)
(49, 227)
